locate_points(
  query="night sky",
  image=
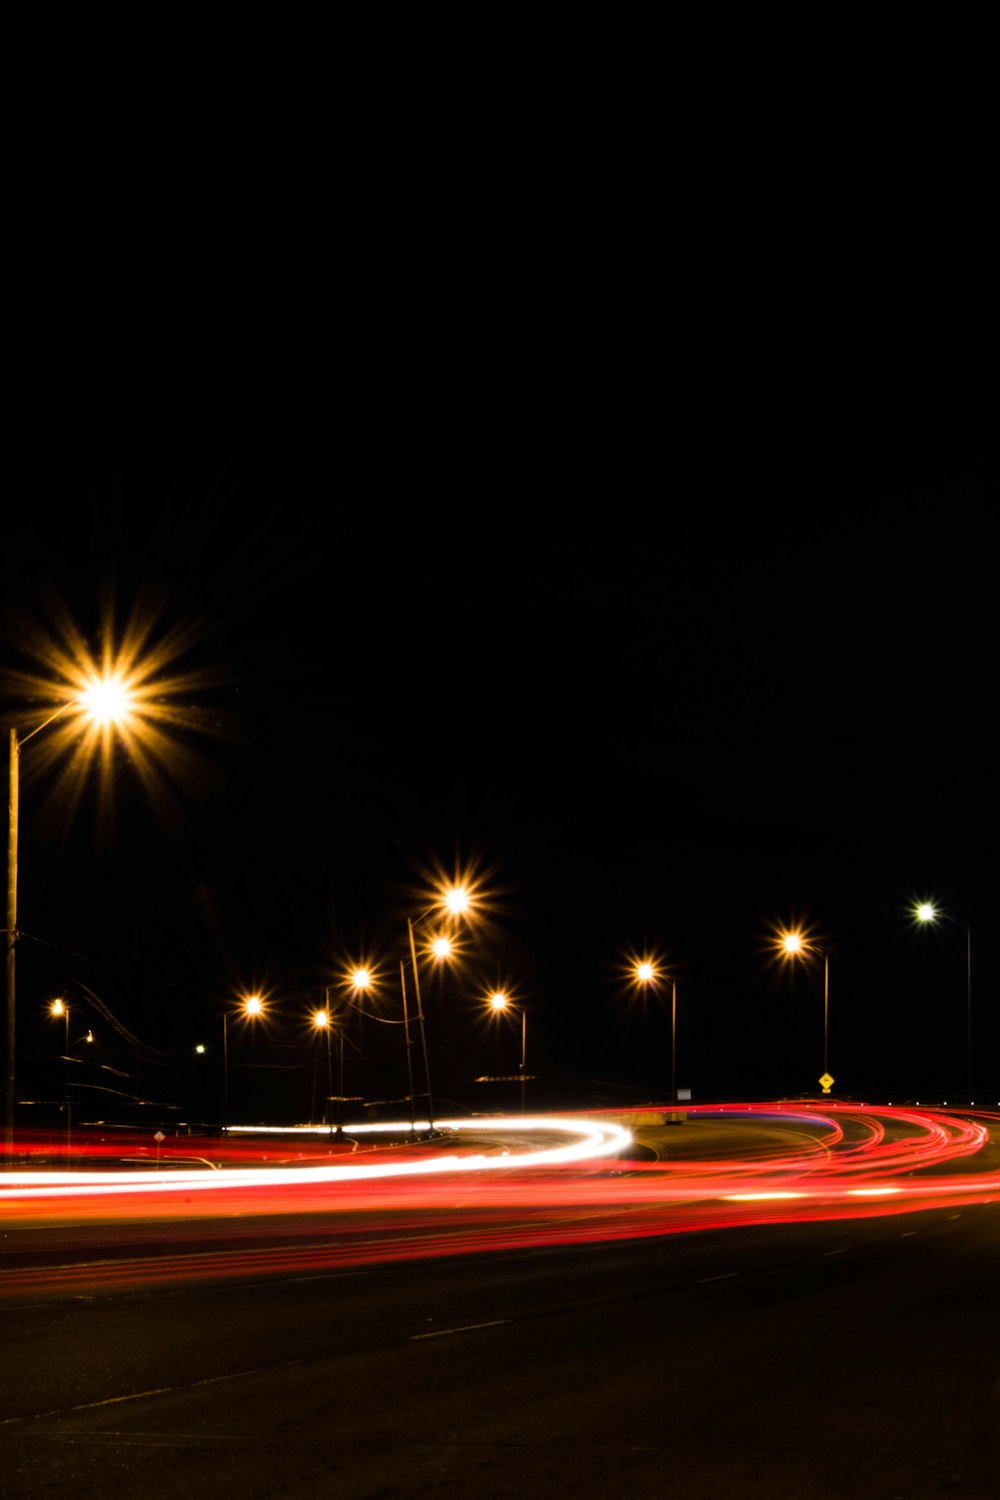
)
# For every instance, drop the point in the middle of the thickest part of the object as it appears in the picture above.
(577, 482)
(659, 678)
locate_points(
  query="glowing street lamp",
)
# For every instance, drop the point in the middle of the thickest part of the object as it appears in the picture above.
(56, 1009)
(499, 1001)
(322, 1023)
(250, 1008)
(793, 944)
(929, 914)
(455, 900)
(360, 981)
(102, 702)
(645, 972)
(60, 1008)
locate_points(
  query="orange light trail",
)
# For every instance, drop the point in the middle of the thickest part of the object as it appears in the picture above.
(492, 1187)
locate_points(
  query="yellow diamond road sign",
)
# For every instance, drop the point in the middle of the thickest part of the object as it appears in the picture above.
(827, 1083)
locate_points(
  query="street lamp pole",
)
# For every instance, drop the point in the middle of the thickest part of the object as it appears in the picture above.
(420, 1023)
(673, 1041)
(407, 1042)
(646, 971)
(792, 944)
(225, 1071)
(339, 1096)
(13, 798)
(108, 702)
(251, 1006)
(60, 1008)
(455, 900)
(11, 938)
(499, 1001)
(323, 1022)
(927, 911)
(826, 1011)
(340, 1080)
(968, 999)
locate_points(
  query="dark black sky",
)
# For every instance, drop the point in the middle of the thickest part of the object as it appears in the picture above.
(660, 690)
(582, 472)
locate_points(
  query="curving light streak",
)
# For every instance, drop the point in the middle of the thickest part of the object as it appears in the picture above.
(728, 1166)
(592, 1141)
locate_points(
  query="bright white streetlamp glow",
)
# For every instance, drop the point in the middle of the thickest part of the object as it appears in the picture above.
(456, 900)
(107, 699)
(928, 913)
(645, 973)
(499, 1001)
(793, 944)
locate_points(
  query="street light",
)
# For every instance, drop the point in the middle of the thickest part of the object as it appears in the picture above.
(104, 701)
(499, 1001)
(60, 1008)
(322, 1023)
(929, 914)
(793, 944)
(454, 900)
(645, 972)
(251, 1006)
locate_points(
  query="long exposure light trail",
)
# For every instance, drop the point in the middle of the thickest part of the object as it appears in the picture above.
(491, 1184)
(592, 1140)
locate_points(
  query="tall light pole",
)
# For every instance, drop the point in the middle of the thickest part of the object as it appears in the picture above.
(251, 1006)
(364, 978)
(60, 1008)
(105, 701)
(927, 912)
(407, 1042)
(454, 901)
(420, 1022)
(794, 945)
(322, 1022)
(646, 972)
(499, 1001)
(360, 981)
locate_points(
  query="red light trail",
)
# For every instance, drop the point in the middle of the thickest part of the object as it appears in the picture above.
(486, 1185)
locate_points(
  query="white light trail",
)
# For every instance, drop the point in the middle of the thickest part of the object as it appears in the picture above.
(591, 1140)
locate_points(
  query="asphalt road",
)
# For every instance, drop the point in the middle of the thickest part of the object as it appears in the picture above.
(849, 1360)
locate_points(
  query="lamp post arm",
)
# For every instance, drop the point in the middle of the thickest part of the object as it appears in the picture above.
(17, 743)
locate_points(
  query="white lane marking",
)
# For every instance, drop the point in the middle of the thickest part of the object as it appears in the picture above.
(724, 1277)
(160, 1390)
(464, 1328)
